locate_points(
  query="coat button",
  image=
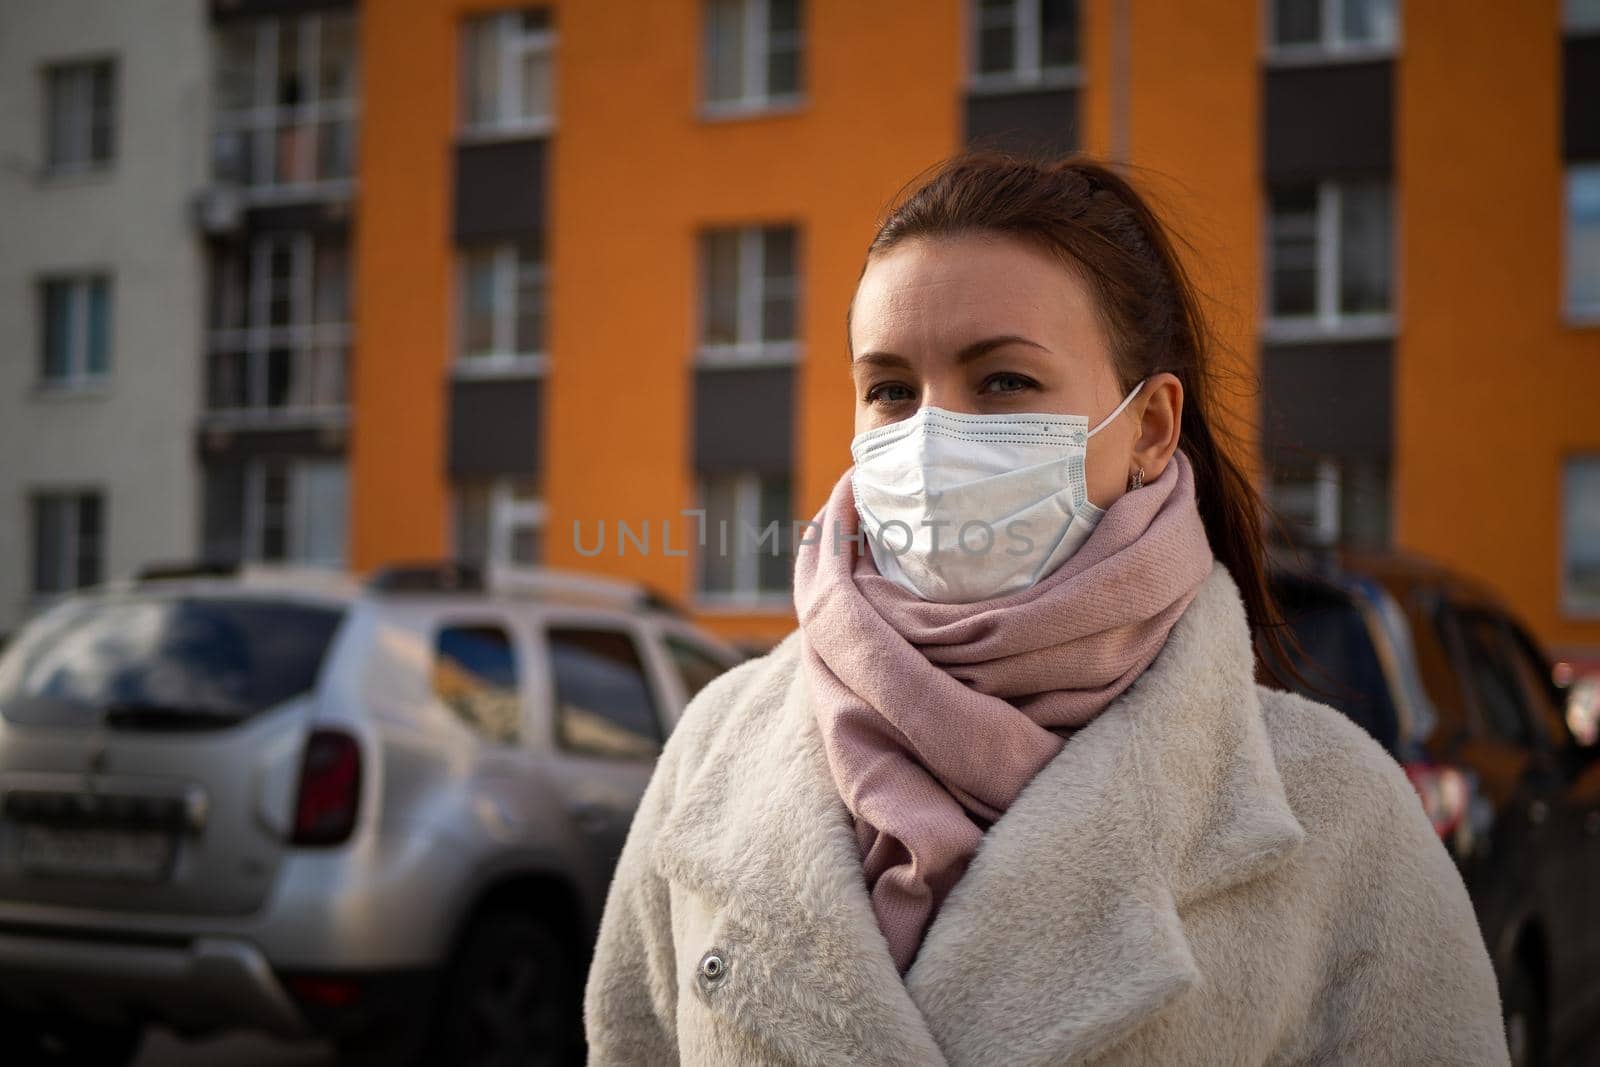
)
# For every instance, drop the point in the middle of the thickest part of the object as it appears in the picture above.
(713, 969)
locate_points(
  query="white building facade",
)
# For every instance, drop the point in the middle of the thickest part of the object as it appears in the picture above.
(104, 131)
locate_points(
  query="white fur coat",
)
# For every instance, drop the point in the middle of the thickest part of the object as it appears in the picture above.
(1209, 873)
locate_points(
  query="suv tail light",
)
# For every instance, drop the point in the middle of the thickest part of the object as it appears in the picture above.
(1444, 794)
(330, 789)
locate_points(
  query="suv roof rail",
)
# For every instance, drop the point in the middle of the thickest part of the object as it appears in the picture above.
(547, 582)
(450, 576)
(171, 572)
(444, 576)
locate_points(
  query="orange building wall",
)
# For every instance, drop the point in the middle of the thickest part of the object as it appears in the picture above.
(636, 174)
(1193, 139)
(1492, 389)
(399, 504)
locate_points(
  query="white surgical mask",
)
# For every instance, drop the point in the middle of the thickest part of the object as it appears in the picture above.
(961, 508)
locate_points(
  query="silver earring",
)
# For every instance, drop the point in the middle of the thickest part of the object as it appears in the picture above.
(1137, 481)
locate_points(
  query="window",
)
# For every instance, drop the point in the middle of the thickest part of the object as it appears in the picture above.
(280, 327)
(604, 706)
(499, 523)
(229, 658)
(277, 511)
(508, 63)
(1024, 42)
(753, 55)
(750, 294)
(286, 104)
(696, 667)
(1580, 15)
(475, 676)
(1493, 680)
(504, 302)
(1318, 29)
(1327, 500)
(1330, 262)
(747, 544)
(80, 123)
(1580, 536)
(1583, 242)
(68, 541)
(75, 330)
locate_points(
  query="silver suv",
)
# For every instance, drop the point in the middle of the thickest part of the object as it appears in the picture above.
(382, 813)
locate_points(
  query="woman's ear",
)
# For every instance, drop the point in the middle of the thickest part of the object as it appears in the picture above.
(1160, 418)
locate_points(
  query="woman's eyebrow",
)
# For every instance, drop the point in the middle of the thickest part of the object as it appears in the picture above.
(967, 354)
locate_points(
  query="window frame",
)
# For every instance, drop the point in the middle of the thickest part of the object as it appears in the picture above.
(305, 337)
(80, 378)
(72, 499)
(297, 510)
(1585, 314)
(508, 514)
(1028, 70)
(755, 75)
(512, 45)
(262, 120)
(749, 350)
(504, 359)
(1331, 46)
(747, 593)
(81, 119)
(1328, 322)
(1318, 499)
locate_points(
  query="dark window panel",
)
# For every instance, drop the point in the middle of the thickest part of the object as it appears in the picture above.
(500, 189)
(496, 427)
(1328, 121)
(1332, 397)
(744, 420)
(1580, 77)
(1034, 123)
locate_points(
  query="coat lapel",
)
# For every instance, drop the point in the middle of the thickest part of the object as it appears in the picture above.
(760, 833)
(1063, 936)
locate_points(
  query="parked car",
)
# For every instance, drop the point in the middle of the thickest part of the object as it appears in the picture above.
(383, 813)
(1458, 691)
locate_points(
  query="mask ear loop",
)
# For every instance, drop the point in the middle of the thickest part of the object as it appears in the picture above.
(1120, 408)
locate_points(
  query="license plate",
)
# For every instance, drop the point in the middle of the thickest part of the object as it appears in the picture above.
(96, 852)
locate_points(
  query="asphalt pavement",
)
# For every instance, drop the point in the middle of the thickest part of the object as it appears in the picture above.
(162, 1048)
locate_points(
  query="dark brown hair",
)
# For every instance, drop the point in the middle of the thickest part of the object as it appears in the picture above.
(1103, 228)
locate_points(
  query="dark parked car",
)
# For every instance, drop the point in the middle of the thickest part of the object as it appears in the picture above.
(1502, 755)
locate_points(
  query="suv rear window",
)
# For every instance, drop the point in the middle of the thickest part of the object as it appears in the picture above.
(163, 663)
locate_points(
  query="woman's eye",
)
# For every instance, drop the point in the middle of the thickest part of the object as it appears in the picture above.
(888, 393)
(1006, 383)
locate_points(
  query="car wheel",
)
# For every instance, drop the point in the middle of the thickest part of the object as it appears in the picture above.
(513, 997)
(1527, 1036)
(38, 1040)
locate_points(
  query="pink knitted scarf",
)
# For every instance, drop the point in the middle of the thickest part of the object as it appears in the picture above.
(935, 716)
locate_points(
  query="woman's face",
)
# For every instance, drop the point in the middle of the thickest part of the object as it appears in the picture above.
(986, 324)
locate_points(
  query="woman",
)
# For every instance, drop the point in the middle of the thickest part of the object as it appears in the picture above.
(1011, 794)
